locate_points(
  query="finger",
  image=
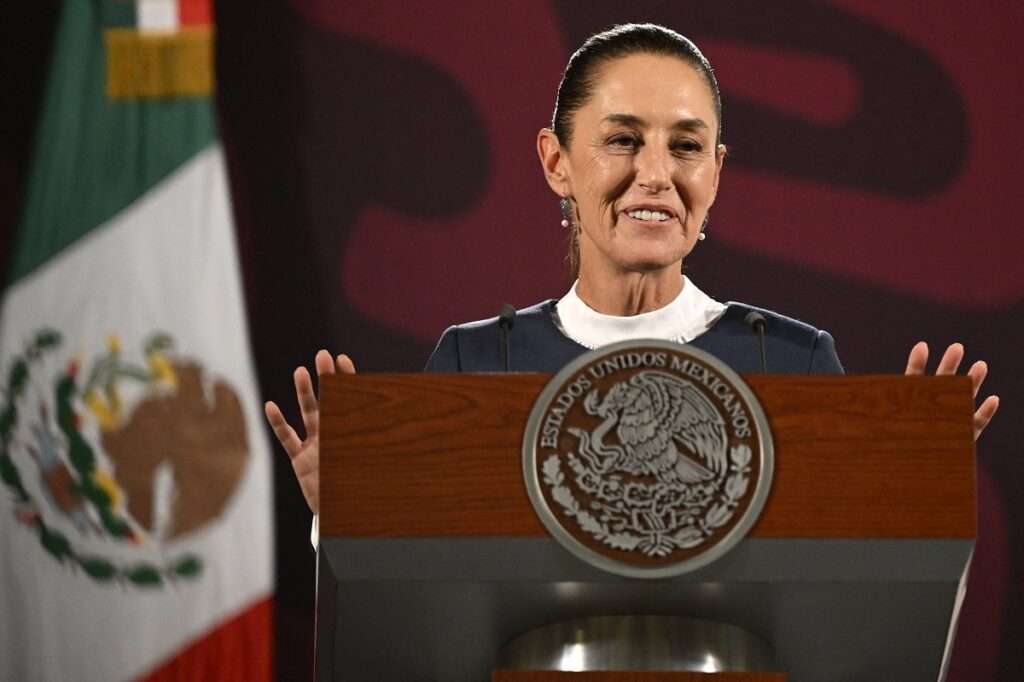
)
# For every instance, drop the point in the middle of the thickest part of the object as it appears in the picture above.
(951, 359)
(345, 364)
(977, 373)
(308, 405)
(285, 434)
(918, 358)
(324, 363)
(984, 414)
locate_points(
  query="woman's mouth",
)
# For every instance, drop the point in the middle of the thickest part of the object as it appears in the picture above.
(652, 216)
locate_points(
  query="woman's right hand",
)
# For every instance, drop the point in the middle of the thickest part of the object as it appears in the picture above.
(305, 453)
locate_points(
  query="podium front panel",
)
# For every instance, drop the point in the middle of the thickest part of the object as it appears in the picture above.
(432, 558)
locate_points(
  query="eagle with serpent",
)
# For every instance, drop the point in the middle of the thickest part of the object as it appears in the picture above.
(657, 469)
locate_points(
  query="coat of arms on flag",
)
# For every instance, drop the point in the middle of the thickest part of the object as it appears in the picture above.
(105, 453)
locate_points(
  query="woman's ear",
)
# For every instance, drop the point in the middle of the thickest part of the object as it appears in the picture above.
(721, 151)
(553, 160)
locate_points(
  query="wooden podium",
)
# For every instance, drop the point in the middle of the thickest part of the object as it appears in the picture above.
(431, 556)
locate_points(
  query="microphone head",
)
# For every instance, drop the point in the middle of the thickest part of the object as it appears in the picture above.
(507, 316)
(755, 319)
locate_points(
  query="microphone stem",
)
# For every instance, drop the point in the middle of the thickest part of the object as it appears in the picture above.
(764, 358)
(504, 346)
(506, 319)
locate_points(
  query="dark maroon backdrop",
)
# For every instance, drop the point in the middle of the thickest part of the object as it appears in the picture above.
(385, 186)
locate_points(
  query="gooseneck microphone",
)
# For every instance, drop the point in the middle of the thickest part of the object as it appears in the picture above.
(758, 324)
(506, 320)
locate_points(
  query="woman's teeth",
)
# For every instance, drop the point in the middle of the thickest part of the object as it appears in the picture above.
(644, 214)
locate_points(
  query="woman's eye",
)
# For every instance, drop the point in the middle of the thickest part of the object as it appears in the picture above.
(687, 146)
(624, 141)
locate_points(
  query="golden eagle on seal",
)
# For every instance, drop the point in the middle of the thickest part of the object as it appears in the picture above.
(653, 412)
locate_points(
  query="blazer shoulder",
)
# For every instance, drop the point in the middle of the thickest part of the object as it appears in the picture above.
(793, 346)
(461, 345)
(736, 313)
(531, 315)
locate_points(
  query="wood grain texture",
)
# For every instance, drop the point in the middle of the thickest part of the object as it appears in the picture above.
(413, 455)
(630, 676)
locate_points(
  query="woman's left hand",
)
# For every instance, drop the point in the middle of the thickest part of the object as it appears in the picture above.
(950, 362)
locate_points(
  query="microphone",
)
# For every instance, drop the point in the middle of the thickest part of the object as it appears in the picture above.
(757, 324)
(506, 320)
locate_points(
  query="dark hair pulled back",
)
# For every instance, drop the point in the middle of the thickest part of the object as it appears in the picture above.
(620, 41)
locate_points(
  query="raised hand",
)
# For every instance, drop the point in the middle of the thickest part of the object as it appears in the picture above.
(949, 364)
(305, 453)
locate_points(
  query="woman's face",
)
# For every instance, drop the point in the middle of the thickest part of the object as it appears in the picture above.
(643, 164)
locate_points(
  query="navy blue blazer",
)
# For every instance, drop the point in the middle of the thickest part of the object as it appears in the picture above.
(537, 345)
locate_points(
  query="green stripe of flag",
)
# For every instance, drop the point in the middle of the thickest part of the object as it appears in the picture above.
(94, 156)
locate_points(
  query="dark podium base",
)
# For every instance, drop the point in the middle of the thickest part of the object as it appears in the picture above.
(442, 609)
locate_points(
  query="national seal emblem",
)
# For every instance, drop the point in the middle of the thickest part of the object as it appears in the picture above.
(647, 459)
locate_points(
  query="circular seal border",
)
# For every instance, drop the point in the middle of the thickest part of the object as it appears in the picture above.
(549, 518)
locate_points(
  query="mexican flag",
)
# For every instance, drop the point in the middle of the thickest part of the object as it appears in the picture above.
(135, 485)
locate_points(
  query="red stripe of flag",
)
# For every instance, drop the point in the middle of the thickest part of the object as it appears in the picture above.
(195, 13)
(239, 649)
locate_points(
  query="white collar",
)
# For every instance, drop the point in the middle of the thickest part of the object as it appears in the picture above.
(688, 316)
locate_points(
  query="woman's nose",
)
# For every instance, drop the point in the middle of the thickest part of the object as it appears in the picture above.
(654, 169)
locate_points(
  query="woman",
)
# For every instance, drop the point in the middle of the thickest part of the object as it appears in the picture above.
(635, 155)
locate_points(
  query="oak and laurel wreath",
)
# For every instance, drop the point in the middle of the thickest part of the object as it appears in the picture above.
(718, 515)
(83, 461)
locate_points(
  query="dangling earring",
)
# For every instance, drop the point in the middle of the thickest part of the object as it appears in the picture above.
(704, 226)
(567, 213)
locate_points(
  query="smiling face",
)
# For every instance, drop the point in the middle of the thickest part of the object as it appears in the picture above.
(642, 165)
